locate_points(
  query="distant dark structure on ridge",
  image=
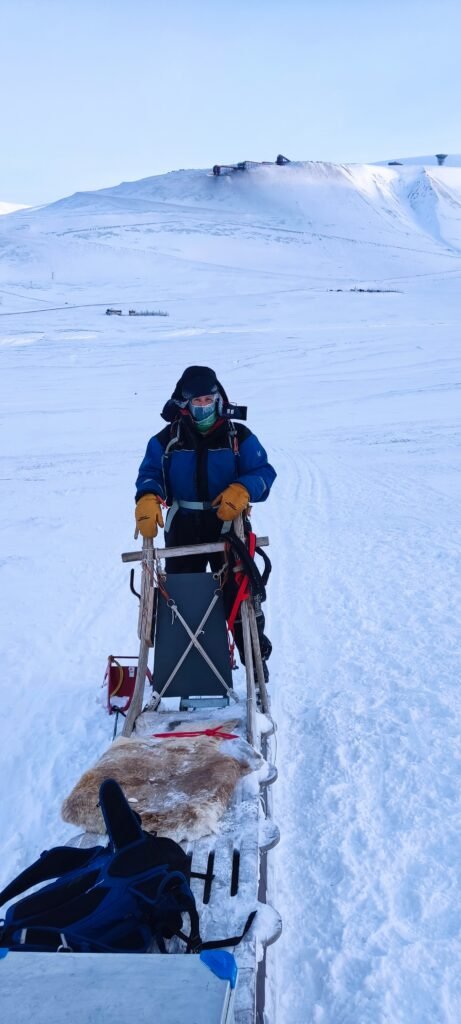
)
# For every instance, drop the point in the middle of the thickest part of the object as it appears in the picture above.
(441, 157)
(246, 165)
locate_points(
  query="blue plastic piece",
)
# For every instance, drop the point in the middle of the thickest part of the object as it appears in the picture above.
(221, 963)
(3, 952)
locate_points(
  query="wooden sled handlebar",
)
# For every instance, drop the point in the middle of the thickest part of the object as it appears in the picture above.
(187, 549)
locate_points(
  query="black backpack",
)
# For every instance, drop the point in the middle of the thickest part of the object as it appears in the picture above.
(118, 898)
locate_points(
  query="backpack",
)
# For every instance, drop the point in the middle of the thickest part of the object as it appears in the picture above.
(118, 898)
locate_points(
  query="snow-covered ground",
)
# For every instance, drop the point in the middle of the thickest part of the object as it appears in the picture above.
(355, 394)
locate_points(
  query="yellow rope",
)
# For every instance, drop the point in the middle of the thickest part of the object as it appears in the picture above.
(113, 693)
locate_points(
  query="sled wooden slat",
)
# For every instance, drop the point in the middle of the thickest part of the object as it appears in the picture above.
(223, 857)
(200, 854)
(186, 549)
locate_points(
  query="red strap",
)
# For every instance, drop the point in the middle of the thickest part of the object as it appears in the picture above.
(242, 595)
(243, 592)
(199, 732)
(251, 543)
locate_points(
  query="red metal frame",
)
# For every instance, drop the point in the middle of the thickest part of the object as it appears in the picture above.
(121, 680)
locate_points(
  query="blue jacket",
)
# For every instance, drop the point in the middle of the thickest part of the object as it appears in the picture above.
(183, 465)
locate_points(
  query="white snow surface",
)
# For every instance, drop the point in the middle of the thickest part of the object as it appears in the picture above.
(355, 395)
(11, 207)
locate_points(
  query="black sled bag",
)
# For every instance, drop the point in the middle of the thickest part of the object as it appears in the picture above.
(113, 899)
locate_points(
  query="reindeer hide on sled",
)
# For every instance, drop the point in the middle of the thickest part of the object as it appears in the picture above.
(179, 786)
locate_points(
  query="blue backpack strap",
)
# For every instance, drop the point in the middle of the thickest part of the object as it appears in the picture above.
(51, 864)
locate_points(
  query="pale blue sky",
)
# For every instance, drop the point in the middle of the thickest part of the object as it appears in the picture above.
(94, 92)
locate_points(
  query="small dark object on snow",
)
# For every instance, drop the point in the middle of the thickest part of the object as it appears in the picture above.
(113, 312)
(371, 290)
(147, 312)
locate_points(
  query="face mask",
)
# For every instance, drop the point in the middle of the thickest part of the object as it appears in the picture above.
(203, 412)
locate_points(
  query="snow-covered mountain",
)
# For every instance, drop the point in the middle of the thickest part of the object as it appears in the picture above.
(327, 298)
(313, 213)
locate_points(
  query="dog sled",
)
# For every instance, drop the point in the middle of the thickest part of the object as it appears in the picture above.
(194, 763)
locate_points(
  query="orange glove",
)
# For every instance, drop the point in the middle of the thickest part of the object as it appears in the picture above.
(232, 501)
(148, 515)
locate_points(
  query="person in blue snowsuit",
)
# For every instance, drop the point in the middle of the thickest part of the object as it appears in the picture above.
(206, 468)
